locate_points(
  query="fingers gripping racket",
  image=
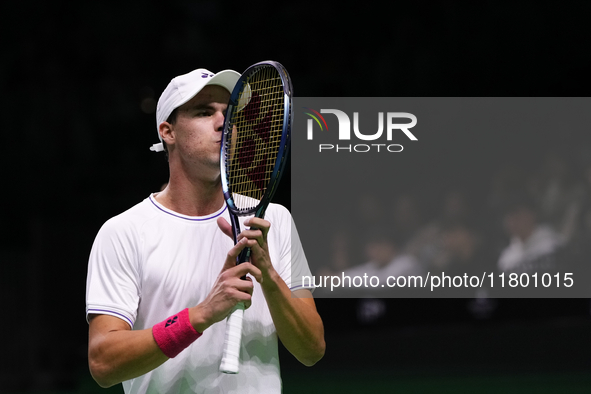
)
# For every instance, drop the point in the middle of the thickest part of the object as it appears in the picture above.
(255, 143)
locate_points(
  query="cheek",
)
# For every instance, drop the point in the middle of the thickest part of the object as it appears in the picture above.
(189, 138)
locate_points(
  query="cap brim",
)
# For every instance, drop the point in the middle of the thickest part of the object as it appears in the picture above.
(226, 79)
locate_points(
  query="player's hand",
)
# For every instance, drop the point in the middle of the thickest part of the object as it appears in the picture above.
(228, 290)
(256, 240)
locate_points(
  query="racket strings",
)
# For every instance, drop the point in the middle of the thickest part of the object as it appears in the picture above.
(257, 128)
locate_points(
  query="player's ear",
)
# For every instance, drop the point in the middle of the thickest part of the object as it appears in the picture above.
(166, 133)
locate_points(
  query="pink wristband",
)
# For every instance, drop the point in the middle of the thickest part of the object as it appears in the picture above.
(174, 334)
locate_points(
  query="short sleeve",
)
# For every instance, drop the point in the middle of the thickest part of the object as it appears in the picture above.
(293, 264)
(112, 285)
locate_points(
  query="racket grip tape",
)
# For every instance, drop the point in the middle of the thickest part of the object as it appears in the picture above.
(231, 354)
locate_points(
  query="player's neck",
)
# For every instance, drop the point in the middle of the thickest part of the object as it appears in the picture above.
(192, 197)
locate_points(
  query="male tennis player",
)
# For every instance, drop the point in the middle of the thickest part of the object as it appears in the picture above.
(162, 276)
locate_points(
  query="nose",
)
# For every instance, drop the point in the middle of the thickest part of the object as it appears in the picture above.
(219, 120)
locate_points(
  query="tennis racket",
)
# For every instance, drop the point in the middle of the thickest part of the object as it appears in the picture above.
(255, 144)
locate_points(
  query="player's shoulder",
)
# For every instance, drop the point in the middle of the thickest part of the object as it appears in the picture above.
(277, 211)
(129, 220)
(278, 208)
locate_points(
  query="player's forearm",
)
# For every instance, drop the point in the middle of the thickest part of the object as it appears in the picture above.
(298, 324)
(122, 355)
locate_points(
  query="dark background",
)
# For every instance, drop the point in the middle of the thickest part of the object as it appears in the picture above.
(79, 84)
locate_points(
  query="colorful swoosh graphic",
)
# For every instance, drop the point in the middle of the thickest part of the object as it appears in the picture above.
(316, 119)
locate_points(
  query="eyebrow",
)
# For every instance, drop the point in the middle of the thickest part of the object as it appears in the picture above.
(199, 106)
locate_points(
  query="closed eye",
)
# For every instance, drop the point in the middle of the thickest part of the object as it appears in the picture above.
(203, 112)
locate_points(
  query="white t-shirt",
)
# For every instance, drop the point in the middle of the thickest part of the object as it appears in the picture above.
(149, 263)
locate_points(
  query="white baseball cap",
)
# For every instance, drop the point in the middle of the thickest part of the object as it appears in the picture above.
(183, 88)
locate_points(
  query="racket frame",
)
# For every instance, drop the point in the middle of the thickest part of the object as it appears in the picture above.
(282, 154)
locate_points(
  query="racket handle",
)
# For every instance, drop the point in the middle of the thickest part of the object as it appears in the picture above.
(231, 354)
(244, 256)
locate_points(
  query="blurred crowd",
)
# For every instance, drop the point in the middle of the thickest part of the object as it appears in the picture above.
(530, 219)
